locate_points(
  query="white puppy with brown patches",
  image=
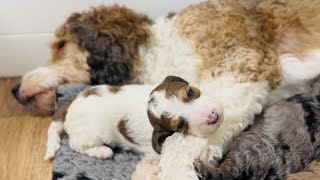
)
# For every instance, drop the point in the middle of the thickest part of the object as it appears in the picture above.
(208, 118)
(101, 117)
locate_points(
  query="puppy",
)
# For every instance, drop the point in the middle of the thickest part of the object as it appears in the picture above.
(203, 126)
(104, 116)
(284, 139)
(101, 117)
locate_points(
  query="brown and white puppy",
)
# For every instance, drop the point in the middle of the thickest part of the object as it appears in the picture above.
(190, 123)
(101, 117)
(104, 116)
(273, 40)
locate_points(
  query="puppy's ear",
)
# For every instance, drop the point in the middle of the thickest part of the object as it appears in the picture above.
(174, 79)
(158, 138)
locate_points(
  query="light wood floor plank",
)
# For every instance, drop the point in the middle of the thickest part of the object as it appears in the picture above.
(22, 139)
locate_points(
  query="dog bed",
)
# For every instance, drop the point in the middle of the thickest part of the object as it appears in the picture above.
(70, 165)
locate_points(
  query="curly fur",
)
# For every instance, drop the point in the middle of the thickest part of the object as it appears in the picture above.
(112, 36)
(242, 48)
(251, 39)
(283, 140)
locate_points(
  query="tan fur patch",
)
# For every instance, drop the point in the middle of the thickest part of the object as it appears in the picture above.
(311, 172)
(70, 62)
(114, 89)
(90, 91)
(124, 131)
(230, 39)
(292, 24)
(60, 113)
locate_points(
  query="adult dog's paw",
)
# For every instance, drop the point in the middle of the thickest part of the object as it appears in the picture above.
(201, 169)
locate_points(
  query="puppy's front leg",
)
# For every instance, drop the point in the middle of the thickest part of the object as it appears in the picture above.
(148, 168)
(177, 155)
(53, 143)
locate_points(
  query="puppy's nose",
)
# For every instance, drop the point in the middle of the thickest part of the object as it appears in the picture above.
(15, 90)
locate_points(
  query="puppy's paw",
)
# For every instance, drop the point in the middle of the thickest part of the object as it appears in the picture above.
(201, 169)
(51, 151)
(101, 152)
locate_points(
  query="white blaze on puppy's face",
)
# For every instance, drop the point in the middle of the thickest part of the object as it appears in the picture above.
(175, 106)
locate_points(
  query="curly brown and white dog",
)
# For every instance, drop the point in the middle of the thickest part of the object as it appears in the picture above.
(273, 42)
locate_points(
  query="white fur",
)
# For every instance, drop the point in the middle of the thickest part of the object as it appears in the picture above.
(169, 53)
(240, 101)
(296, 72)
(177, 157)
(93, 121)
(53, 143)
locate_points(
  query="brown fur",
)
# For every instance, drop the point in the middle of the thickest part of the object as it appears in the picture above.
(90, 91)
(60, 113)
(124, 131)
(171, 14)
(254, 30)
(165, 126)
(241, 48)
(110, 34)
(177, 87)
(114, 89)
(292, 25)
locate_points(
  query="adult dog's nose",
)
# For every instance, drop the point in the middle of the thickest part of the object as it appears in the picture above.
(15, 93)
(15, 90)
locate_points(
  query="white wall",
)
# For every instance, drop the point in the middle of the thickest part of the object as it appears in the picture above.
(26, 26)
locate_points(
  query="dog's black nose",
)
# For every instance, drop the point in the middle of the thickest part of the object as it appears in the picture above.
(15, 90)
(15, 93)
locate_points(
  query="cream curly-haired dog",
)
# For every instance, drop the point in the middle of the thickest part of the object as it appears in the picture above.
(273, 41)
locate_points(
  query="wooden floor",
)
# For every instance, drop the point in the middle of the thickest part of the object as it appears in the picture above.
(22, 139)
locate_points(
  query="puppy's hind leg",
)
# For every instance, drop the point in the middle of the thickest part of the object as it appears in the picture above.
(53, 143)
(90, 144)
(101, 152)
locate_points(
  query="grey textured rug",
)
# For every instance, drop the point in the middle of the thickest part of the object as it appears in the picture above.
(70, 165)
